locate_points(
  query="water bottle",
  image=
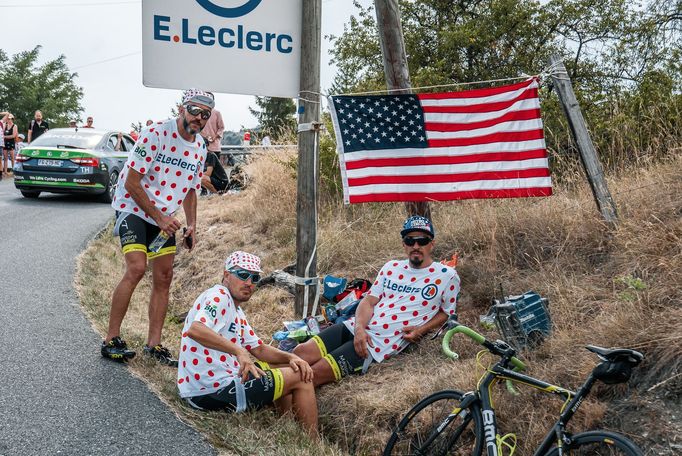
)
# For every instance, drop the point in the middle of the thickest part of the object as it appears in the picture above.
(158, 242)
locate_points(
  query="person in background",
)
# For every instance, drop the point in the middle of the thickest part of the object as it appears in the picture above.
(10, 136)
(73, 123)
(266, 142)
(20, 143)
(213, 132)
(37, 127)
(88, 122)
(215, 178)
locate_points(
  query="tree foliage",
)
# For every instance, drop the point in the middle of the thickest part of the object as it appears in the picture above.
(26, 87)
(623, 59)
(275, 117)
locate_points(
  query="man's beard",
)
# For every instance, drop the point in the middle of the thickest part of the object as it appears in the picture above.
(416, 262)
(188, 128)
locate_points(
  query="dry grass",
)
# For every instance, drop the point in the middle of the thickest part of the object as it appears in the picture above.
(610, 288)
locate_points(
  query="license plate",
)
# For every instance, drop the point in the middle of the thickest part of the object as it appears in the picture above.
(53, 163)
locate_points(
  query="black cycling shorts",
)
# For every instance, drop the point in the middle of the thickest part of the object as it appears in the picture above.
(258, 393)
(136, 235)
(336, 347)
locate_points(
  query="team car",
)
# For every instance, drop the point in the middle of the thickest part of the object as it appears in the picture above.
(67, 160)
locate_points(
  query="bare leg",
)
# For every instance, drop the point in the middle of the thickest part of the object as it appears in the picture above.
(308, 351)
(12, 157)
(304, 403)
(162, 275)
(322, 373)
(136, 263)
(206, 183)
(284, 404)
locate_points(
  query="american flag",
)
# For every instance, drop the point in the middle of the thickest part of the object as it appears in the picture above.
(484, 143)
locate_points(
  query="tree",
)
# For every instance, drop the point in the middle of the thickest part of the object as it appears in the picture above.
(26, 87)
(275, 117)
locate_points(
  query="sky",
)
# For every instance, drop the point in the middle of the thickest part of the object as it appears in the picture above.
(102, 42)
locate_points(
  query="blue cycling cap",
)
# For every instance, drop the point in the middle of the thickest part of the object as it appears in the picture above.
(418, 223)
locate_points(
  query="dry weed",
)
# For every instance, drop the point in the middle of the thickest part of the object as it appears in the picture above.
(610, 288)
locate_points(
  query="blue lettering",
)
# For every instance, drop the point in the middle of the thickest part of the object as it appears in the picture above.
(221, 37)
(254, 41)
(206, 35)
(280, 45)
(158, 28)
(240, 37)
(232, 328)
(185, 33)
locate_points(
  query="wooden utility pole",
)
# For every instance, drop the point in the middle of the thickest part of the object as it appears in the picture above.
(395, 67)
(308, 120)
(590, 160)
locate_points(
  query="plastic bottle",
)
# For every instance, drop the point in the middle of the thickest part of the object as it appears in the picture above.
(158, 242)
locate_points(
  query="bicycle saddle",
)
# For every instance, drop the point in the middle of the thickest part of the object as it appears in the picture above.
(617, 354)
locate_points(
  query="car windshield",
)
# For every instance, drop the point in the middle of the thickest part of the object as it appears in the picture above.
(66, 139)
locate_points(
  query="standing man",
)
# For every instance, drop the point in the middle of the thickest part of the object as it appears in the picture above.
(163, 172)
(408, 299)
(37, 127)
(88, 122)
(213, 132)
(216, 371)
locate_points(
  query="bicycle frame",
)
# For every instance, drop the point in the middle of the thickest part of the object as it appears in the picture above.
(556, 434)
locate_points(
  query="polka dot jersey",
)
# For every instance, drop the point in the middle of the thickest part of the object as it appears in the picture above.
(408, 297)
(203, 370)
(170, 166)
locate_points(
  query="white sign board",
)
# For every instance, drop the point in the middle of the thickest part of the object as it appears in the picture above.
(250, 47)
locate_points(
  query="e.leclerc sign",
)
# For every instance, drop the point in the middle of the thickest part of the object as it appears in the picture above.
(251, 47)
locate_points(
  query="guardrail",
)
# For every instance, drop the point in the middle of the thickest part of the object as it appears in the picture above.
(247, 150)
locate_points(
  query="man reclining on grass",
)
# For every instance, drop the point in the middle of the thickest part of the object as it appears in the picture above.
(215, 370)
(408, 299)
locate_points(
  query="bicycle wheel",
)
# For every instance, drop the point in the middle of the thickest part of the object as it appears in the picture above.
(436, 426)
(599, 443)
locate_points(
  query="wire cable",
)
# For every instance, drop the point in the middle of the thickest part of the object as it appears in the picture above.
(60, 5)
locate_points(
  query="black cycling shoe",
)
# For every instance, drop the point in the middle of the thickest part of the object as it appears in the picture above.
(117, 349)
(161, 354)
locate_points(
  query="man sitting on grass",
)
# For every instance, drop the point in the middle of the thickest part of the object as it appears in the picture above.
(215, 370)
(408, 299)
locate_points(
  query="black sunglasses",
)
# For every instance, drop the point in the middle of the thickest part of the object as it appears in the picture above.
(196, 110)
(244, 275)
(422, 241)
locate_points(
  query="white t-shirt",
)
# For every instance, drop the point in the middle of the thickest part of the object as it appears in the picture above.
(171, 167)
(203, 370)
(408, 297)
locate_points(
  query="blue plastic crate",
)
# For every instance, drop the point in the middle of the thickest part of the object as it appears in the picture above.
(524, 320)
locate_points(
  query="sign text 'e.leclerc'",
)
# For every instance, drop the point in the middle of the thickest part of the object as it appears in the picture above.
(226, 37)
(238, 43)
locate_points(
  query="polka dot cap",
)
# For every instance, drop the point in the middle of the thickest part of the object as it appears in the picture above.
(243, 260)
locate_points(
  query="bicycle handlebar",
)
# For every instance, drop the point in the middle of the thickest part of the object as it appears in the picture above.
(479, 339)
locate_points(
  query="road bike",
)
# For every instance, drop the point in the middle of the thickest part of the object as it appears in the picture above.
(450, 422)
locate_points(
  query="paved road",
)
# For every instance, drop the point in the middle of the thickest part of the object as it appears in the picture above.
(57, 395)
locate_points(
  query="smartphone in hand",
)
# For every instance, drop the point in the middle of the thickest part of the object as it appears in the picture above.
(187, 241)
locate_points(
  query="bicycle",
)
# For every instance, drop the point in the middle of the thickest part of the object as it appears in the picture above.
(450, 422)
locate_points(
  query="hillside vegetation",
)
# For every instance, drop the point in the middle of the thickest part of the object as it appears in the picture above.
(606, 287)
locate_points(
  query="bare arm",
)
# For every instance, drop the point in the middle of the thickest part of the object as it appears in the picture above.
(209, 171)
(206, 337)
(362, 316)
(414, 333)
(168, 224)
(275, 356)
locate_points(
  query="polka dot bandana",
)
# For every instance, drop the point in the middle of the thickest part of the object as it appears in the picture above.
(198, 96)
(243, 260)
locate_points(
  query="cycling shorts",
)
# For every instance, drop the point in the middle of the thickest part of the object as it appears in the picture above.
(136, 236)
(254, 393)
(336, 347)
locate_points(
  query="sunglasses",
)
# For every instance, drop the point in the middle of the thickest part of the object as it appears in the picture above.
(196, 110)
(244, 275)
(422, 241)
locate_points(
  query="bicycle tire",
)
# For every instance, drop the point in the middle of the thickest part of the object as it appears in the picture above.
(429, 428)
(599, 443)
